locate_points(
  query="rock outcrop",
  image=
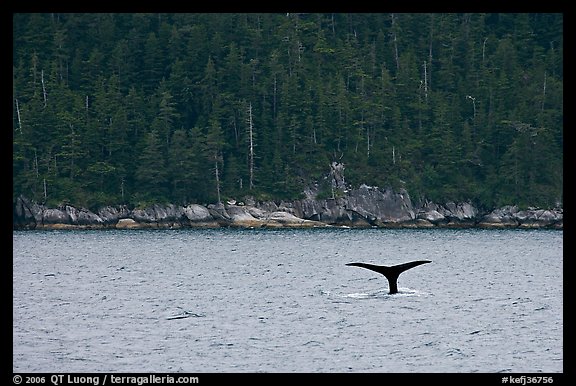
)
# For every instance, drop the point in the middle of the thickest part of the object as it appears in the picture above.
(199, 216)
(512, 217)
(448, 215)
(363, 207)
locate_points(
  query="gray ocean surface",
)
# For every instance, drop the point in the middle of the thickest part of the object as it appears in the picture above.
(228, 300)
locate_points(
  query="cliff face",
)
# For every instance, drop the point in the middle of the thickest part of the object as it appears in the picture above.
(363, 207)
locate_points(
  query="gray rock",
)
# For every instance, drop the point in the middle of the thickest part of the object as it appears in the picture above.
(309, 209)
(365, 206)
(501, 217)
(432, 215)
(460, 212)
(143, 215)
(27, 213)
(287, 207)
(127, 223)
(335, 211)
(197, 213)
(111, 214)
(362, 206)
(159, 214)
(240, 216)
(82, 216)
(55, 216)
(285, 219)
(538, 218)
(255, 212)
(337, 176)
(86, 217)
(218, 213)
(266, 206)
(381, 206)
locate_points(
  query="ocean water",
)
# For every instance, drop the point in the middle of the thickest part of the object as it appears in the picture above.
(226, 300)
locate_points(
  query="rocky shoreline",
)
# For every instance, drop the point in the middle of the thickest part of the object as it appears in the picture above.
(363, 207)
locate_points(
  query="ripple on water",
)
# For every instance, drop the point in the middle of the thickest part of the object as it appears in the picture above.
(283, 301)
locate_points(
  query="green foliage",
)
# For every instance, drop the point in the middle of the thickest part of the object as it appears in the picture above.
(143, 108)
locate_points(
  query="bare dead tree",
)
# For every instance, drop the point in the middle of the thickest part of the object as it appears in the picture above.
(425, 82)
(36, 164)
(473, 103)
(18, 115)
(333, 25)
(217, 174)
(251, 145)
(543, 92)
(368, 142)
(394, 39)
(484, 50)
(43, 87)
(274, 99)
(429, 84)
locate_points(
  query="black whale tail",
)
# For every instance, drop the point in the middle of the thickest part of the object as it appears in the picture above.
(392, 272)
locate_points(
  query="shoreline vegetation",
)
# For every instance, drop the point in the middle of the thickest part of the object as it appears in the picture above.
(177, 108)
(365, 207)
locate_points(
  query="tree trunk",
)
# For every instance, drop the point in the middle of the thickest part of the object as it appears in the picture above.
(20, 121)
(43, 88)
(425, 82)
(395, 43)
(251, 140)
(543, 95)
(216, 172)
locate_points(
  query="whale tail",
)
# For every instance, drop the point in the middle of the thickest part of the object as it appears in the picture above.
(391, 272)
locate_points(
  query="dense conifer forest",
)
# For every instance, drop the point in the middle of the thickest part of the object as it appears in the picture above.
(195, 108)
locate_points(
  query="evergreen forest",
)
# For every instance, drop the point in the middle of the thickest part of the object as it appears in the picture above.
(135, 109)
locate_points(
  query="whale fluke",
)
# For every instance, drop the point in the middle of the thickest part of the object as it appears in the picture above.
(391, 272)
